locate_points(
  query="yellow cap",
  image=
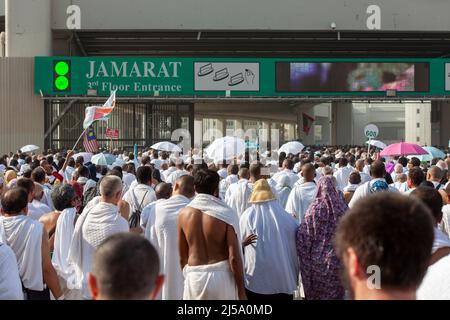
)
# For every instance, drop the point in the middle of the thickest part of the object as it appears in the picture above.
(261, 192)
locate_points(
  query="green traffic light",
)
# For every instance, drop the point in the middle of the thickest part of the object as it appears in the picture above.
(62, 68)
(61, 83)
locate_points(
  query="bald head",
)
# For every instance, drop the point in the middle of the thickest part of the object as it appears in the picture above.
(163, 190)
(244, 173)
(184, 186)
(308, 172)
(434, 174)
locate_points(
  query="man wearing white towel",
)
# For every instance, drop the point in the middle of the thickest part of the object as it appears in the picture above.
(210, 252)
(93, 227)
(166, 223)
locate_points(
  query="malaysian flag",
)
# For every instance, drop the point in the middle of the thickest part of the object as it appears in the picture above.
(90, 141)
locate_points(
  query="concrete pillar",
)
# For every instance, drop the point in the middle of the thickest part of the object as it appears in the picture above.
(28, 28)
(440, 120)
(198, 133)
(418, 123)
(342, 123)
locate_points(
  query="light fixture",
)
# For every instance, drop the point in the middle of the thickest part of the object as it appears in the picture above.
(391, 93)
(91, 92)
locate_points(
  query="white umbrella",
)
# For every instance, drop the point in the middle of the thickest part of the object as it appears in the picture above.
(99, 159)
(166, 146)
(377, 143)
(29, 148)
(226, 148)
(293, 147)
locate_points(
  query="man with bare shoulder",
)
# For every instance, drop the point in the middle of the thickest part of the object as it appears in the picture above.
(210, 252)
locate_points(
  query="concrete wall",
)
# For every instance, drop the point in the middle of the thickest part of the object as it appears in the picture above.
(398, 15)
(28, 28)
(22, 113)
(342, 119)
(2, 7)
(389, 117)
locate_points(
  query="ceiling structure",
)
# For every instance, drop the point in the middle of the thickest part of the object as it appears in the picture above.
(261, 43)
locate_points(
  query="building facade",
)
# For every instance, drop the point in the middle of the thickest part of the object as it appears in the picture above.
(286, 40)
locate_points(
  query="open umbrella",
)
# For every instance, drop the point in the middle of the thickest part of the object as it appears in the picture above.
(402, 149)
(29, 148)
(87, 156)
(293, 147)
(166, 146)
(432, 153)
(377, 143)
(435, 152)
(99, 159)
(110, 158)
(226, 148)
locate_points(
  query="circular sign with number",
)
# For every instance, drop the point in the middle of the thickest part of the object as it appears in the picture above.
(371, 131)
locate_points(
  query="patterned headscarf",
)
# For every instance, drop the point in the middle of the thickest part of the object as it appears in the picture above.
(319, 265)
(328, 201)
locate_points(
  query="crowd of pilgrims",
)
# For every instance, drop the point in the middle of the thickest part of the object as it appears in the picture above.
(309, 226)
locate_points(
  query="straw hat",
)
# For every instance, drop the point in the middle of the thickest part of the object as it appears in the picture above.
(261, 192)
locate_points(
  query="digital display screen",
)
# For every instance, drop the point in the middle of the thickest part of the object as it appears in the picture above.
(351, 76)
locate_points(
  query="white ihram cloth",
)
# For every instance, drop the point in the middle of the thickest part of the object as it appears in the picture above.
(214, 281)
(283, 189)
(225, 184)
(142, 193)
(47, 198)
(364, 177)
(400, 186)
(300, 199)
(271, 264)
(364, 190)
(166, 227)
(441, 240)
(37, 209)
(63, 237)
(148, 218)
(93, 227)
(445, 223)
(293, 177)
(24, 236)
(10, 285)
(237, 196)
(342, 175)
(173, 177)
(128, 179)
(436, 284)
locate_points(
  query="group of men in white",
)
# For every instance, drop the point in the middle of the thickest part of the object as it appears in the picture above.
(263, 207)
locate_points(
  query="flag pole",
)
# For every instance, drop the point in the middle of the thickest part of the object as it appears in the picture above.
(79, 138)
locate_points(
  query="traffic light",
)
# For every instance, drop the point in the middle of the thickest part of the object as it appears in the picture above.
(61, 75)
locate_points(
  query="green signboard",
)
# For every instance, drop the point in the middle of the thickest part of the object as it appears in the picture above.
(258, 77)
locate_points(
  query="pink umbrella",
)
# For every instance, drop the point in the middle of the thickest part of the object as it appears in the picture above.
(402, 149)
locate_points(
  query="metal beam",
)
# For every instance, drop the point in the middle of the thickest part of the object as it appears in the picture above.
(58, 120)
(79, 43)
